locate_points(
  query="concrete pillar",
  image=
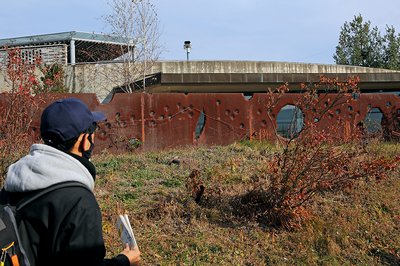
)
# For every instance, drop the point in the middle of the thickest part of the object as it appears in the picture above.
(72, 52)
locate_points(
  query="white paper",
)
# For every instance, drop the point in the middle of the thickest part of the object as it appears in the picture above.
(125, 231)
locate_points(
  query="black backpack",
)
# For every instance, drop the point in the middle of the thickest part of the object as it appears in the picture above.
(14, 243)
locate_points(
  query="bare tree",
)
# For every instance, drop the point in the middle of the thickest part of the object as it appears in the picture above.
(136, 22)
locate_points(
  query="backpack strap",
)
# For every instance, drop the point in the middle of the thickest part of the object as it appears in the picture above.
(29, 198)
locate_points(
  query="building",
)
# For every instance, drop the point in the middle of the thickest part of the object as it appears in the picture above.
(66, 48)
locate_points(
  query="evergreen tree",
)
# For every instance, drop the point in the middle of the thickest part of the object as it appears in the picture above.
(391, 49)
(359, 44)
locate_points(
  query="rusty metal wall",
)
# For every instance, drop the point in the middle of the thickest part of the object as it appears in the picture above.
(167, 120)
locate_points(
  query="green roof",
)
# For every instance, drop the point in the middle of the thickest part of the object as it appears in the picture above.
(88, 47)
(63, 37)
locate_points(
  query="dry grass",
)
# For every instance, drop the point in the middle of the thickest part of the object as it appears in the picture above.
(358, 226)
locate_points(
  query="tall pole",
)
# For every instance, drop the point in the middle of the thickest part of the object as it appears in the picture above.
(187, 46)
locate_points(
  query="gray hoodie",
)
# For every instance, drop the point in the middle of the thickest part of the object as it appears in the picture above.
(45, 166)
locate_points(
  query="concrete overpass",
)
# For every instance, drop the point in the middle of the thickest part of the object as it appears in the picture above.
(103, 78)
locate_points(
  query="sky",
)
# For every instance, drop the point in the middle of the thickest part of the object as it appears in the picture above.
(256, 30)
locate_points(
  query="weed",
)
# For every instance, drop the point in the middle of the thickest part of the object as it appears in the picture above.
(172, 182)
(171, 228)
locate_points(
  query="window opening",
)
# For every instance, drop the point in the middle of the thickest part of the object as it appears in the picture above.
(200, 125)
(373, 121)
(290, 121)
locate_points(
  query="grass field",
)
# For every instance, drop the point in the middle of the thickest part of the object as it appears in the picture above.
(359, 225)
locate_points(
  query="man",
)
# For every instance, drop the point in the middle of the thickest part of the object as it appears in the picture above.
(64, 226)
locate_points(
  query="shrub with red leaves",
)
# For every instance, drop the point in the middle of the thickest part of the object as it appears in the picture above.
(307, 162)
(312, 161)
(18, 108)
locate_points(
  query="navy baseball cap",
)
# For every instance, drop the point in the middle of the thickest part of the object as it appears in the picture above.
(68, 118)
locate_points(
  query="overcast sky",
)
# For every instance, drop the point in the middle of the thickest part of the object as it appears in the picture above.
(259, 30)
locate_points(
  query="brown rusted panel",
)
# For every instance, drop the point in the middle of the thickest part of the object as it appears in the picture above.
(226, 118)
(166, 120)
(124, 123)
(264, 120)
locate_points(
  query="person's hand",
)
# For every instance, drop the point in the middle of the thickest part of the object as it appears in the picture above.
(132, 254)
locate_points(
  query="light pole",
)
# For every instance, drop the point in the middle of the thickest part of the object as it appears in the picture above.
(187, 46)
